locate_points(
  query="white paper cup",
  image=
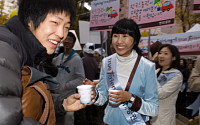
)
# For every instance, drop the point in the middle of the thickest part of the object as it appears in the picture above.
(111, 90)
(85, 92)
(97, 80)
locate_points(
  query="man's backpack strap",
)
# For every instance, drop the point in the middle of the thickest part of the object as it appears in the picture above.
(36, 99)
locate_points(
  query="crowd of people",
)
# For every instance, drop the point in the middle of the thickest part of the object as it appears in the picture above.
(128, 88)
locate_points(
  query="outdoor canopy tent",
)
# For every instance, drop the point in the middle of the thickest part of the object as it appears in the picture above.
(195, 28)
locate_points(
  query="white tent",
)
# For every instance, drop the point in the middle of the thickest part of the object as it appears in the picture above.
(195, 28)
(77, 45)
(87, 36)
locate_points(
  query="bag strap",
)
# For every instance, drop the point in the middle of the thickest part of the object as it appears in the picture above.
(48, 115)
(132, 73)
(40, 87)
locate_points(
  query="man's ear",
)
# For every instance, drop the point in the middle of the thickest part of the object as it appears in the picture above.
(31, 26)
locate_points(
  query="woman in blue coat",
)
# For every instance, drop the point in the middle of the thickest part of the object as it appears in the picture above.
(136, 99)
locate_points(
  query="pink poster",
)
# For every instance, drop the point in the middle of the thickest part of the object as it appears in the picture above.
(152, 13)
(104, 14)
(196, 6)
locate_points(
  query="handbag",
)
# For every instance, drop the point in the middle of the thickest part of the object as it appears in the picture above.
(36, 99)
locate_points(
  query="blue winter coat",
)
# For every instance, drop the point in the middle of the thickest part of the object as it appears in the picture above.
(144, 86)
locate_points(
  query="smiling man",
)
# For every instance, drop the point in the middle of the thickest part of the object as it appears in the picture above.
(28, 39)
(52, 30)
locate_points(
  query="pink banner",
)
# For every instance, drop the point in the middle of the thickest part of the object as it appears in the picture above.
(104, 14)
(196, 6)
(187, 43)
(152, 13)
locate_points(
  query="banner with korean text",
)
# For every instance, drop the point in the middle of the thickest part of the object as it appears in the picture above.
(152, 13)
(187, 43)
(196, 6)
(104, 14)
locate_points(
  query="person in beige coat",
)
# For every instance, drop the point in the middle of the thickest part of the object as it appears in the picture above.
(194, 79)
(169, 83)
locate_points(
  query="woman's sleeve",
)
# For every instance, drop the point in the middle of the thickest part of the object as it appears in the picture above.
(102, 87)
(149, 101)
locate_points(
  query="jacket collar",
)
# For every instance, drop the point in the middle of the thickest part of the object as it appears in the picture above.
(33, 47)
(169, 71)
(36, 75)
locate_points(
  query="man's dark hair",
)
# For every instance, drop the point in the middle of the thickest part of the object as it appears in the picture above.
(155, 47)
(91, 47)
(37, 10)
(70, 34)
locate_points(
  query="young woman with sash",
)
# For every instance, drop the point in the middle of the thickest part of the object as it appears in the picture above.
(170, 81)
(132, 75)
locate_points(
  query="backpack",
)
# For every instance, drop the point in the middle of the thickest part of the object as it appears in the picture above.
(37, 102)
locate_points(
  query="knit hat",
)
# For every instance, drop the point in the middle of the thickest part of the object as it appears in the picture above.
(100, 51)
(89, 48)
(155, 47)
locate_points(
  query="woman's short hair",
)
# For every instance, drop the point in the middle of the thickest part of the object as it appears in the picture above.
(128, 26)
(37, 10)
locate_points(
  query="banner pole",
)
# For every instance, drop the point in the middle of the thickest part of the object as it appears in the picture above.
(149, 39)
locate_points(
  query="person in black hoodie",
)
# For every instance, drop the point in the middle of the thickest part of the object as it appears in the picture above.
(28, 39)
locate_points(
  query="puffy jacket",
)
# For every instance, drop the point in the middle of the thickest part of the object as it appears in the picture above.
(11, 88)
(18, 47)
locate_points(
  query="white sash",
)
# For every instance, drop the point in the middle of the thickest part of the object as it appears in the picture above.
(195, 106)
(163, 78)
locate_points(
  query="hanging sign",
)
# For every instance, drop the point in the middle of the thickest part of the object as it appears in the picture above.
(104, 14)
(152, 13)
(196, 7)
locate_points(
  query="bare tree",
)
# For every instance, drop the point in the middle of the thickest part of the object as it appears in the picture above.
(3, 15)
(184, 14)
